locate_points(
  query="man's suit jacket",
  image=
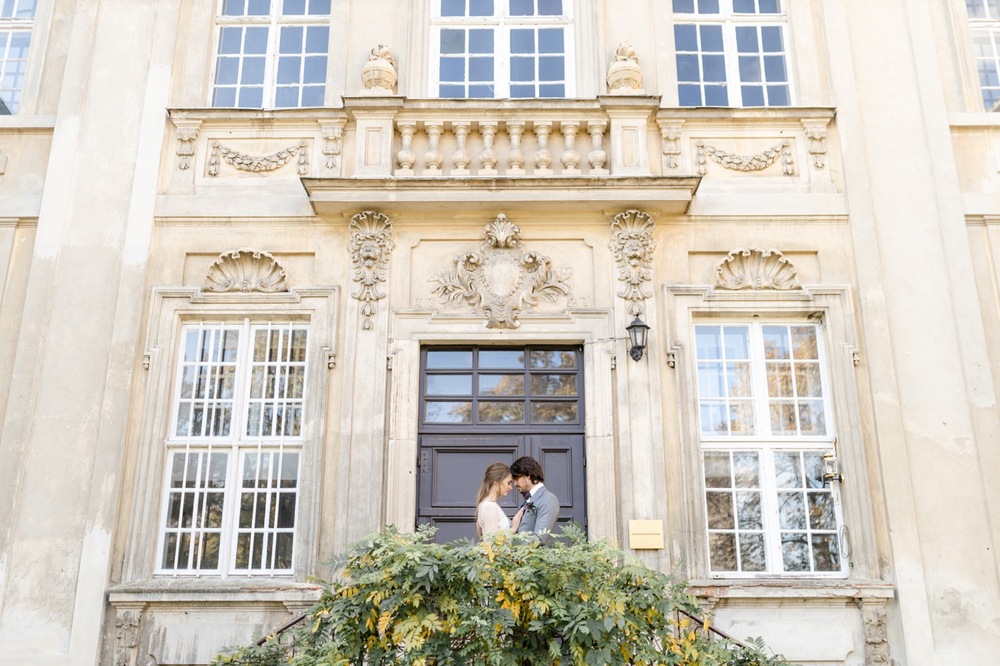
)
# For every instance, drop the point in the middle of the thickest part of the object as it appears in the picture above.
(543, 513)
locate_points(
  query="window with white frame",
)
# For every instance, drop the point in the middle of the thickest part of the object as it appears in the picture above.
(731, 53)
(234, 449)
(271, 53)
(766, 425)
(501, 49)
(17, 17)
(984, 21)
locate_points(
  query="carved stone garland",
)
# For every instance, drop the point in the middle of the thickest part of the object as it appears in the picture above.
(753, 268)
(500, 278)
(255, 163)
(370, 247)
(632, 244)
(756, 162)
(245, 271)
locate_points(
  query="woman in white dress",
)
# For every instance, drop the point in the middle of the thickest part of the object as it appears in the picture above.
(497, 483)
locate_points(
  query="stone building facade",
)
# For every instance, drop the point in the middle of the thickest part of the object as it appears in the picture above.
(276, 273)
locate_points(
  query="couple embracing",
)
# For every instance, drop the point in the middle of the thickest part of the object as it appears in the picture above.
(537, 515)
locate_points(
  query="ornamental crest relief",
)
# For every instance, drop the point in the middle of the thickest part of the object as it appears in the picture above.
(370, 247)
(632, 244)
(500, 278)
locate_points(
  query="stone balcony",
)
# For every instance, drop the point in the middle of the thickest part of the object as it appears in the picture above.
(613, 151)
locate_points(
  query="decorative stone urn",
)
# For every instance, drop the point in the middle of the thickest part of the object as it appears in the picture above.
(624, 73)
(379, 73)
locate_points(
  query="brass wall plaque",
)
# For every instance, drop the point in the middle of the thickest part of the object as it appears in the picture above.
(645, 534)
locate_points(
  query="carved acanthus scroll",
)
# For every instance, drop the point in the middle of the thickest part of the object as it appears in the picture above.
(258, 163)
(126, 637)
(873, 615)
(632, 244)
(756, 162)
(245, 271)
(370, 247)
(753, 268)
(500, 278)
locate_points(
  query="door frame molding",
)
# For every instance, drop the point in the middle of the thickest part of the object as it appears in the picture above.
(410, 330)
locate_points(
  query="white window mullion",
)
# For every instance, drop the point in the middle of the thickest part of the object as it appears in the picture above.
(271, 62)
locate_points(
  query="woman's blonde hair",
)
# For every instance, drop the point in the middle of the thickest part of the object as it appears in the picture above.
(495, 473)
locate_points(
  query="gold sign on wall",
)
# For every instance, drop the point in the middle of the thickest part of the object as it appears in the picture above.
(645, 534)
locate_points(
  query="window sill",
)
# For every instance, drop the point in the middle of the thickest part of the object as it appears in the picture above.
(174, 591)
(775, 590)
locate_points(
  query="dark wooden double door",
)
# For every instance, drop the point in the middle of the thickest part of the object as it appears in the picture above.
(481, 405)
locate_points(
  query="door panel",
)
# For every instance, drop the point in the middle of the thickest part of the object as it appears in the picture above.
(495, 404)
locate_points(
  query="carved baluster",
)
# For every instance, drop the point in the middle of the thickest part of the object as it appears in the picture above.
(461, 157)
(570, 157)
(488, 158)
(406, 157)
(543, 158)
(597, 156)
(433, 156)
(516, 157)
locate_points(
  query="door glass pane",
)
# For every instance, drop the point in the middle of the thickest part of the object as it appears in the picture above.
(501, 359)
(449, 384)
(501, 412)
(450, 358)
(448, 412)
(554, 412)
(553, 359)
(553, 384)
(501, 384)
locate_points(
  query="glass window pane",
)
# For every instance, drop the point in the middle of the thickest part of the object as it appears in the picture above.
(288, 70)
(749, 69)
(554, 412)
(480, 7)
(748, 511)
(711, 383)
(752, 552)
(552, 90)
(717, 470)
(778, 96)
(449, 385)
(770, 7)
(553, 385)
(786, 470)
(774, 69)
(259, 7)
(714, 418)
(255, 41)
(551, 69)
(501, 412)
(776, 342)
(522, 41)
(711, 38)
(779, 380)
(501, 384)
(746, 40)
(689, 95)
(294, 7)
(522, 7)
(744, 7)
(708, 342)
(814, 469)
(319, 7)
(452, 41)
(480, 41)
(821, 515)
(741, 418)
(812, 420)
(738, 379)
(826, 552)
(752, 95)
(315, 69)
(231, 40)
(480, 69)
(746, 469)
(452, 69)
(550, 40)
(318, 40)
(450, 358)
(684, 6)
(313, 96)
(794, 552)
(713, 67)
(290, 40)
(253, 71)
(550, 8)
(720, 510)
(722, 548)
(791, 511)
(685, 37)
(501, 359)
(807, 380)
(804, 343)
(452, 7)
(688, 69)
(770, 37)
(560, 358)
(716, 96)
(449, 412)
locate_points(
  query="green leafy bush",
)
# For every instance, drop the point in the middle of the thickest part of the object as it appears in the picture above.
(403, 599)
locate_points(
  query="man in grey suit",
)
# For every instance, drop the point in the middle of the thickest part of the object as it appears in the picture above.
(541, 508)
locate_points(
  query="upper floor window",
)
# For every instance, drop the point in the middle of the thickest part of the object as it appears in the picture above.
(501, 48)
(766, 425)
(984, 18)
(16, 20)
(271, 53)
(731, 53)
(234, 449)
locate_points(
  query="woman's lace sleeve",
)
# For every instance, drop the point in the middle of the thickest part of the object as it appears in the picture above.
(490, 517)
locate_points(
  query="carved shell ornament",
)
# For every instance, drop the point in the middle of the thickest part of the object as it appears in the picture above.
(370, 247)
(632, 244)
(500, 278)
(245, 271)
(753, 268)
